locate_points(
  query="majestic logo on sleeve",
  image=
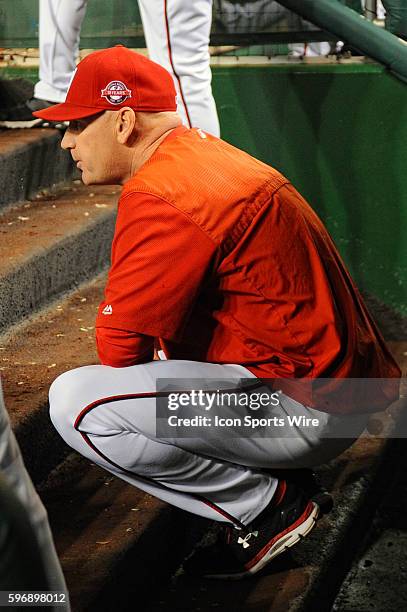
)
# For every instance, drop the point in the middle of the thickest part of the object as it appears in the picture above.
(108, 310)
(116, 92)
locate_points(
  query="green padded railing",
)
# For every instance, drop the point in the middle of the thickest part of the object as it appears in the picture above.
(348, 25)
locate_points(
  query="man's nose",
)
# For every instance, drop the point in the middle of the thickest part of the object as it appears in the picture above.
(68, 141)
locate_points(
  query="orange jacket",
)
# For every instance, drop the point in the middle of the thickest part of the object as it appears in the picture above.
(217, 255)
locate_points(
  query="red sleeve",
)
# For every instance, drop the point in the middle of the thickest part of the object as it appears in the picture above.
(159, 260)
(120, 348)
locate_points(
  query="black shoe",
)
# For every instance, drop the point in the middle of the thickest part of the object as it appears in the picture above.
(289, 517)
(21, 115)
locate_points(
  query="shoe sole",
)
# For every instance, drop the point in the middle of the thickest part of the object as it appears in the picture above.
(275, 547)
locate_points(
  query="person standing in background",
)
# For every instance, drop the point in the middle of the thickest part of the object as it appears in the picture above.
(177, 37)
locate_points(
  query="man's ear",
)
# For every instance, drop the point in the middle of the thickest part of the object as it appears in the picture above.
(125, 125)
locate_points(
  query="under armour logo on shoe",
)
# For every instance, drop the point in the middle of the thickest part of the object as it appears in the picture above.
(245, 541)
(108, 310)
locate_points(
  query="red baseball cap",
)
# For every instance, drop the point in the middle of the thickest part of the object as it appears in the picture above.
(110, 79)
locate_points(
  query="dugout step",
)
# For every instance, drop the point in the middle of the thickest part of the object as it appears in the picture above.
(372, 577)
(32, 355)
(31, 160)
(116, 543)
(50, 244)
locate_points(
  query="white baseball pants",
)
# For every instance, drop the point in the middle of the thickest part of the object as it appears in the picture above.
(13, 470)
(109, 416)
(177, 36)
(59, 32)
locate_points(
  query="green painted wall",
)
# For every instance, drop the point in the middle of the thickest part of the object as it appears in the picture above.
(339, 132)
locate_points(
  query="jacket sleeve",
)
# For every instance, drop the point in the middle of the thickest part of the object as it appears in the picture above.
(120, 348)
(160, 258)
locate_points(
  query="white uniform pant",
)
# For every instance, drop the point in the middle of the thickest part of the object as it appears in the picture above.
(109, 416)
(177, 36)
(13, 470)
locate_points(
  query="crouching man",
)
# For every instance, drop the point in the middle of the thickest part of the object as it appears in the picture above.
(221, 266)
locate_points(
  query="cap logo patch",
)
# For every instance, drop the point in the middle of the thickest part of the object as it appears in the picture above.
(116, 92)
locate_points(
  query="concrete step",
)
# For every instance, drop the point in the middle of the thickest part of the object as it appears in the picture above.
(31, 160)
(52, 244)
(32, 355)
(376, 581)
(116, 543)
